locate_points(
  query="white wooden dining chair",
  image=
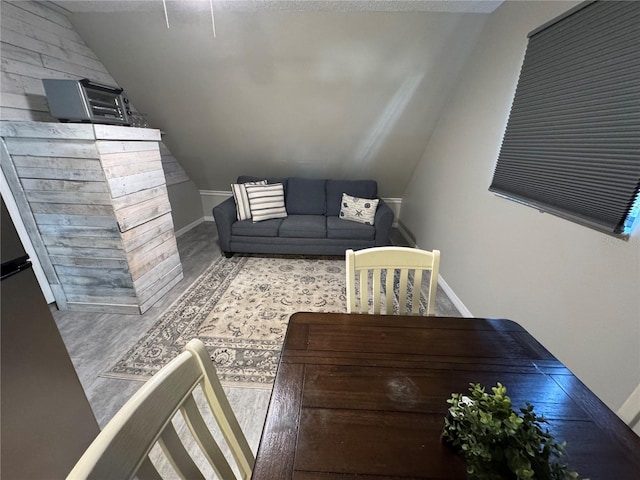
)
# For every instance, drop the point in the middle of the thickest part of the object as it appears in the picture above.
(121, 450)
(402, 264)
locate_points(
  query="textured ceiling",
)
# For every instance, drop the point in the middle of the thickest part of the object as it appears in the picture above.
(451, 6)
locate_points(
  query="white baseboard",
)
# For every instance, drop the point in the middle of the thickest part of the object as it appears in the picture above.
(454, 298)
(223, 194)
(629, 412)
(186, 228)
(464, 311)
(404, 232)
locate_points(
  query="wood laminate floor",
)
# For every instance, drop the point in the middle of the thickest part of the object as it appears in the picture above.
(97, 341)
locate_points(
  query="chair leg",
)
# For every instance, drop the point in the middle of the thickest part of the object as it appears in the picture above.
(228, 254)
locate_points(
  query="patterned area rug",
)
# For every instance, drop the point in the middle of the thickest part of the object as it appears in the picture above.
(239, 307)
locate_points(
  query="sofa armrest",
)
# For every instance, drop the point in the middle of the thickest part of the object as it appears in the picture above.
(383, 223)
(225, 215)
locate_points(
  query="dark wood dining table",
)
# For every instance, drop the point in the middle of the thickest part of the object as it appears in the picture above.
(364, 396)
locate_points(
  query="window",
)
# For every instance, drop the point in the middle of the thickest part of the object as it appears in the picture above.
(572, 142)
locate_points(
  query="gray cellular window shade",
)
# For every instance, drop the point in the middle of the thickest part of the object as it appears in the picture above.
(572, 142)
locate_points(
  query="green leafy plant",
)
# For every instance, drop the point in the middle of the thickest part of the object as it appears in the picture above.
(500, 444)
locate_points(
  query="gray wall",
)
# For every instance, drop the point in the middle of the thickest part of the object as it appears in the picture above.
(575, 289)
(186, 208)
(335, 94)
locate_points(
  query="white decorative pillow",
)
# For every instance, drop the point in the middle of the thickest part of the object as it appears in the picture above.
(243, 211)
(266, 201)
(362, 210)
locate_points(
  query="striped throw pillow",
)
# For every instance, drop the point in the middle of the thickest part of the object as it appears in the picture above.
(243, 211)
(266, 201)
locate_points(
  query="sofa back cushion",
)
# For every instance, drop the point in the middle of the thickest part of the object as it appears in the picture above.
(355, 188)
(270, 180)
(306, 196)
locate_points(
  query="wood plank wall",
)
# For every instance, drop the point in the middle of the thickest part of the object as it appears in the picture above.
(97, 198)
(173, 171)
(132, 164)
(39, 42)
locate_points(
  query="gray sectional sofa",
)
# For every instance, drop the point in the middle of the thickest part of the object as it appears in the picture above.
(312, 225)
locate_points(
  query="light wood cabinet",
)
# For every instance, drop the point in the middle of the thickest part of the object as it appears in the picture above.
(94, 201)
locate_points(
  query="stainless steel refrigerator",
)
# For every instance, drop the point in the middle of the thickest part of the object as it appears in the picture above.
(47, 422)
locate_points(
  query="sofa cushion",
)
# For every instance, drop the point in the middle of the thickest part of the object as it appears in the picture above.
(304, 226)
(266, 201)
(355, 188)
(246, 228)
(338, 228)
(306, 196)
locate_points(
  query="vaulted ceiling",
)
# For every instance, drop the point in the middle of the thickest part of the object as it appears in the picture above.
(342, 89)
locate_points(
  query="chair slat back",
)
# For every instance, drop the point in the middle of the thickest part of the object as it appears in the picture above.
(401, 264)
(121, 450)
(177, 454)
